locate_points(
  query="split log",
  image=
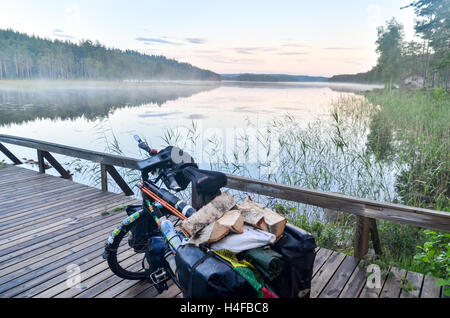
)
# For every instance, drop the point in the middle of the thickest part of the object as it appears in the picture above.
(233, 220)
(208, 214)
(254, 219)
(275, 222)
(211, 233)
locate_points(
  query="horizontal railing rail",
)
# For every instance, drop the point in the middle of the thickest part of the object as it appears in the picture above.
(366, 211)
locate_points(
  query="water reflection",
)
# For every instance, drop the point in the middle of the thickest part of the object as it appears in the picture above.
(20, 104)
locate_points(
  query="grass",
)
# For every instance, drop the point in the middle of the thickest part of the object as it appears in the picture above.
(116, 209)
(412, 129)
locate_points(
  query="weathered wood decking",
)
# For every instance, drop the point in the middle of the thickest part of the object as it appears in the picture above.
(47, 223)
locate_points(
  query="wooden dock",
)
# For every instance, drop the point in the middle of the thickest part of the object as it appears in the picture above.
(48, 223)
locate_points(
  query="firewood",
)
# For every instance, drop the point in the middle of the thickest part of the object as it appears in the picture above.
(275, 222)
(254, 219)
(209, 234)
(233, 220)
(208, 214)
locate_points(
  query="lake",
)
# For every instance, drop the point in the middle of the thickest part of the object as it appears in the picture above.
(209, 119)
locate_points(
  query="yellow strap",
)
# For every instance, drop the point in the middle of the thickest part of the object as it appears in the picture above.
(231, 258)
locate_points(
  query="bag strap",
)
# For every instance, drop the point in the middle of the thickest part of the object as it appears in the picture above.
(196, 264)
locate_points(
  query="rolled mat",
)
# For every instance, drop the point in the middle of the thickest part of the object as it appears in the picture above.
(269, 262)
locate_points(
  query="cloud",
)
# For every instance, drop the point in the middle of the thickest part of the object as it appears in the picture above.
(196, 40)
(295, 45)
(251, 50)
(65, 36)
(227, 60)
(292, 53)
(149, 41)
(341, 48)
(206, 51)
(59, 33)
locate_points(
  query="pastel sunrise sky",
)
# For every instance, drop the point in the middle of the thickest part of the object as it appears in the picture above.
(322, 37)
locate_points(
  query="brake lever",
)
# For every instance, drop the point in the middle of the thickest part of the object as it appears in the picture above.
(143, 145)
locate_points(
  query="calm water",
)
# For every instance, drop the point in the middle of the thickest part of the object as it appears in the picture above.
(85, 114)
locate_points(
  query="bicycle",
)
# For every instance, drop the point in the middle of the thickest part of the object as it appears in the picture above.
(141, 231)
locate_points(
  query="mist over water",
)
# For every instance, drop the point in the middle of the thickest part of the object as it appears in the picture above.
(91, 114)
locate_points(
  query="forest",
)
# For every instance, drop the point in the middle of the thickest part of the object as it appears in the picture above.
(427, 58)
(29, 57)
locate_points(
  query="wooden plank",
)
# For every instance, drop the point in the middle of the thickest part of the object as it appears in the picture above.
(11, 240)
(11, 189)
(33, 190)
(55, 281)
(324, 274)
(416, 280)
(322, 255)
(65, 202)
(429, 288)
(134, 290)
(119, 288)
(10, 155)
(80, 213)
(53, 237)
(354, 285)
(392, 286)
(21, 255)
(98, 283)
(39, 197)
(172, 292)
(340, 278)
(72, 246)
(86, 210)
(95, 265)
(24, 276)
(152, 292)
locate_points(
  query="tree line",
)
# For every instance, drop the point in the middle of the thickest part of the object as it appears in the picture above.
(30, 57)
(428, 58)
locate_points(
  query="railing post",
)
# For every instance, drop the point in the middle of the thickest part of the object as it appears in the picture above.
(41, 164)
(107, 169)
(364, 227)
(104, 177)
(361, 237)
(374, 236)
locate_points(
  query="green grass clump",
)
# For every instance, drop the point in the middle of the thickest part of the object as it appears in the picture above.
(116, 209)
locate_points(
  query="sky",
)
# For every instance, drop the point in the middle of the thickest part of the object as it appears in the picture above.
(319, 38)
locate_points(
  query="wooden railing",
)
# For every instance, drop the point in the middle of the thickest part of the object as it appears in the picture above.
(366, 211)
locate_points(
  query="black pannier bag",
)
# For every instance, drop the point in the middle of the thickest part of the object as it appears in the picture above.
(140, 231)
(204, 275)
(298, 250)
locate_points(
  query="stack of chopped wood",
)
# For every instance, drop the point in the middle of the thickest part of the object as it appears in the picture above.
(223, 216)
